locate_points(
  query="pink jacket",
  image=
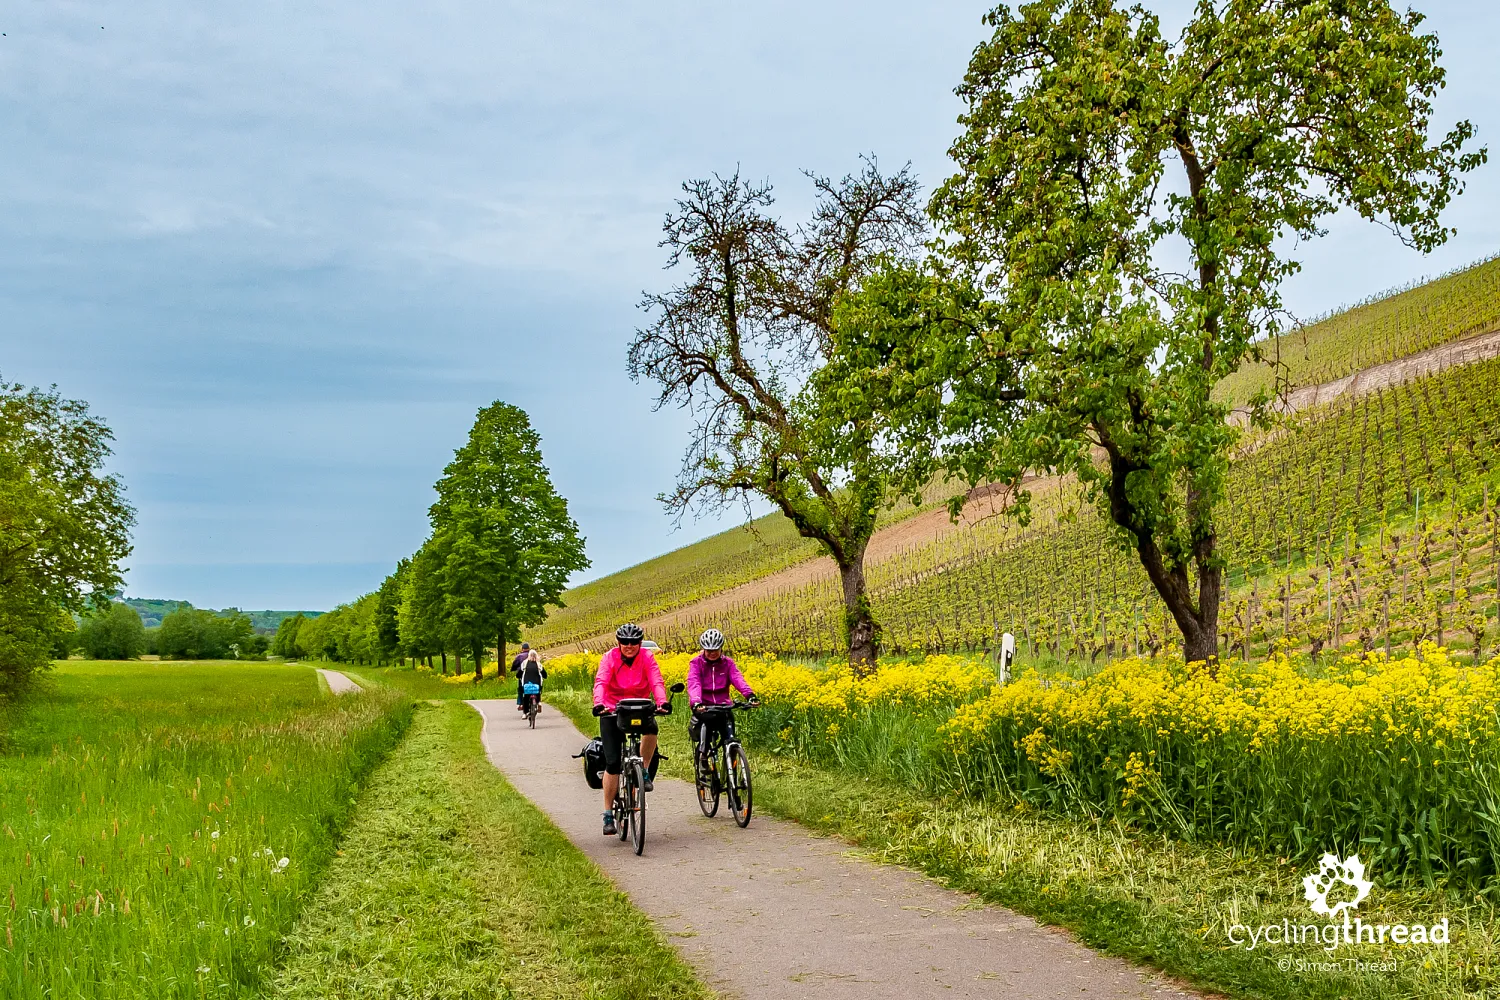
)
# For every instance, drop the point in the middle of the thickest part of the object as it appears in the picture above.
(708, 681)
(617, 679)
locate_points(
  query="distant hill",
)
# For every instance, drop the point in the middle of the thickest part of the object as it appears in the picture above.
(152, 612)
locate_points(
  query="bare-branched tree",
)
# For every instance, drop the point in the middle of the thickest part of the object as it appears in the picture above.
(737, 341)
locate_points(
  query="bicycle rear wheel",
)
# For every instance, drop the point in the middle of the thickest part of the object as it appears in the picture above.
(706, 777)
(531, 710)
(737, 783)
(638, 818)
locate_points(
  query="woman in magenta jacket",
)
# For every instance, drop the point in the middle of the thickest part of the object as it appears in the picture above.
(711, 674)
(627, 671)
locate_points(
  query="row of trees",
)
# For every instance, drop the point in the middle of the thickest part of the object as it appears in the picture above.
(116, 632)
(501, 549)
(64, 526)
(1110, 247)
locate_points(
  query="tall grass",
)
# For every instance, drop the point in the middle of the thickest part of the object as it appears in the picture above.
(161, 824)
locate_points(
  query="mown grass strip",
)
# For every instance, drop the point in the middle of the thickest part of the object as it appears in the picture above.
(451, 884)
(1124, 892)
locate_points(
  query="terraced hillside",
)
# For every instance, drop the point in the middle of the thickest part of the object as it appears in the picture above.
(1388, 326)
(956, 589)
(1322, 533)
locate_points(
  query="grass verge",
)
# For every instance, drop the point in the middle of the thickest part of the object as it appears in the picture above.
(1140, 896)
(451, 884)
(161, 824)
(427, 684)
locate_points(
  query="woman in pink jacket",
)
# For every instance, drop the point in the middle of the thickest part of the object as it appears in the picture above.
(627, 671)
(710, 676)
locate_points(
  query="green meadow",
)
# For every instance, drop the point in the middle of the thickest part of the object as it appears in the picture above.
(162, 823)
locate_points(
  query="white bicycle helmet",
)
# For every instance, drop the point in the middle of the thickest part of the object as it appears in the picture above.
(711, 639)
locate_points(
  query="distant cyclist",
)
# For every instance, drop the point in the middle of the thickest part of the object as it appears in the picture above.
(530, 671)
(627, 671)
(711, 674)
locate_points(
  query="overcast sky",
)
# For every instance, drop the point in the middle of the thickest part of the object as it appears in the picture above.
(288, 250)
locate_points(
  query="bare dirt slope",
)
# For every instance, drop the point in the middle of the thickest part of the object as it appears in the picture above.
(933, 524)
(772, 912)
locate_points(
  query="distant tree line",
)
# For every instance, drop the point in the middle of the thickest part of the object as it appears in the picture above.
(117, 632)
(501, 549)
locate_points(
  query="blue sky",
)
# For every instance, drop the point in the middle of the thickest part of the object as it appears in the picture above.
(288, 250)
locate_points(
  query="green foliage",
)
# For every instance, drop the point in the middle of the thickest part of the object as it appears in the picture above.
(285, 642)
(502, 542)
(112, 633)
(194, 634)
(1091, 144)
(153, 611)
(146, 809)
(64, 527)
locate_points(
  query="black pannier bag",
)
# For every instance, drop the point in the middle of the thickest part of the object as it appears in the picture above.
(593, 762)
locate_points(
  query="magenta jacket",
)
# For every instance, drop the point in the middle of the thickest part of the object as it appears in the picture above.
(616, 679)
(708, 681)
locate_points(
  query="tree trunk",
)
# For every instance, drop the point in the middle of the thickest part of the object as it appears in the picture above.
(862, 630)
(478, 664)
(445, 663)
(501, 665)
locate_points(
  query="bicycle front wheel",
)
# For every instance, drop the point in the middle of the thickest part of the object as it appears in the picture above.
(737, 783)
(638, 815)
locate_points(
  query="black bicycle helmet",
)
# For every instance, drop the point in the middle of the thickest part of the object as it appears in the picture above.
(629, 632)
(711, 639)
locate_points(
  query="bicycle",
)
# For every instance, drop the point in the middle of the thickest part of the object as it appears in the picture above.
(720, 765)
(629, 806)
(533, 704)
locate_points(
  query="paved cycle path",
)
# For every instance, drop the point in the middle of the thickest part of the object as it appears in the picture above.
(775, 912)
(338, 683)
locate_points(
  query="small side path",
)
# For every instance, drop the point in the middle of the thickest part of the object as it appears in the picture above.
(338, 683)
(773, 912)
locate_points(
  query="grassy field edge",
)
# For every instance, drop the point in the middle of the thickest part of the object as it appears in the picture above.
(452, 884)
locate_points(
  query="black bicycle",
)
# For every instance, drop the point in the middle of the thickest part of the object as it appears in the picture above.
(630, 799)
(533, 704)
(720, 765)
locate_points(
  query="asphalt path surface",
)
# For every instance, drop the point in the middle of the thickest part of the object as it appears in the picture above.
(775, 912)
(338, 683)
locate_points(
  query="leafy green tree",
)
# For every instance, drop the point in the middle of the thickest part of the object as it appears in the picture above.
(1115, 239)
(387, 613)
(190, 633)
(64, 527)
(112, 633)
(284, 643)
(420, 612)
(502, 544)
(737, 341)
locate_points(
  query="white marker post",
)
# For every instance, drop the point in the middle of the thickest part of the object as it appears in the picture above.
(1007, 656)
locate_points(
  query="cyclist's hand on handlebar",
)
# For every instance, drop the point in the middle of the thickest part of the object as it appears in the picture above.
(697, 706)
(664, 709)
(752, 700)
(598, 709)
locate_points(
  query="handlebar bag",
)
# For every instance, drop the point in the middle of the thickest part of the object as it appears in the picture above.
(632, 713)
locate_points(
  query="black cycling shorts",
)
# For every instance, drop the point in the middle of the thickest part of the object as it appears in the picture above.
(614, 740)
